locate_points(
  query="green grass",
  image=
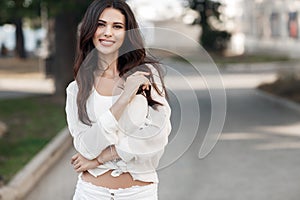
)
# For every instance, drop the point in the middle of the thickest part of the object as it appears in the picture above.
(247, 59)
(223, 60)
(32, 122)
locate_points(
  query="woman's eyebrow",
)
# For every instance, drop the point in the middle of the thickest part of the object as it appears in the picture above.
(118, 23)
(100, 20)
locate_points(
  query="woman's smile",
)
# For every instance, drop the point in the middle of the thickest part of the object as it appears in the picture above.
(106, 42)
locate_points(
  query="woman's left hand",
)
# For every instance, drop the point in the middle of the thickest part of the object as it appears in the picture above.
(134, 82)
(82, 164)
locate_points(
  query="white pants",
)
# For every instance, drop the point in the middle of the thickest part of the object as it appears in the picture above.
(88, 191)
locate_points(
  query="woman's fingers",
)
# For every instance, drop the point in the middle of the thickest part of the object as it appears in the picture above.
(76, 166)
(78, 163)
(140, 79)
(74, 157)
(80, 168)
(145, 87)
(134, 83)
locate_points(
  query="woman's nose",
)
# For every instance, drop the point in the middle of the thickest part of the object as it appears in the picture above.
(107, 31)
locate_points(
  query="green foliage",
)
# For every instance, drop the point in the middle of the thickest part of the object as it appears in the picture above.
(31, 122)
(246, 59)
(12, 9)
(76, 6)
(214, 40)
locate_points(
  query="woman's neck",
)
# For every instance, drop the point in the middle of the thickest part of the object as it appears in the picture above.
(109, 63)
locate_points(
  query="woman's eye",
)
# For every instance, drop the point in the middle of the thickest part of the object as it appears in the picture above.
(118, 27)
(101, 25)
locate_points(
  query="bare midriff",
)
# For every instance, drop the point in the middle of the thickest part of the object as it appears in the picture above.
(125, 180)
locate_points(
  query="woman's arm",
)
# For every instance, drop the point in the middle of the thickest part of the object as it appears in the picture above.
(148, 139)
(142, 135)
(89, 141)
(82, 164)
(144, 130)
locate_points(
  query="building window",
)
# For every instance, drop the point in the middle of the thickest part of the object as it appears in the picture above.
(293, 24)
(275, 24)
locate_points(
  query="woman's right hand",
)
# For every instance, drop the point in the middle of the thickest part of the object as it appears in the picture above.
(82, 164)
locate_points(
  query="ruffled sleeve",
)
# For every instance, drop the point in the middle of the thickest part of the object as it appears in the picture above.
(144, 130)
(89, 141)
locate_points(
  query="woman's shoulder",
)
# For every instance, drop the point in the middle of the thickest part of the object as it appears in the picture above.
(72, 87)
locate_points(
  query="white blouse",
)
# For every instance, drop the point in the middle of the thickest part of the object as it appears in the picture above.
(140, 135)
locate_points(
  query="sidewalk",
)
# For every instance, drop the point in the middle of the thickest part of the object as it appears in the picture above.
(59, 181)
(12, 87)
(20, 78)
(255, 158)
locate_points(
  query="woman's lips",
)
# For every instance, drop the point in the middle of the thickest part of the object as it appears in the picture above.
(105, 42)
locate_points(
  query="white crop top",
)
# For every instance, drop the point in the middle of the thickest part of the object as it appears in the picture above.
(140, 135)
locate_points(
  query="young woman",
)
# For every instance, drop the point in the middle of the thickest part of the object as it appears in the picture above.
(116, 108)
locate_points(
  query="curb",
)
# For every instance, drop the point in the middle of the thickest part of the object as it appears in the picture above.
(279, 100)
(28, 177)
(260, 66)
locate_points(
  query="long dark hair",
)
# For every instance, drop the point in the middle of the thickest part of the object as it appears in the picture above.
(131, 54)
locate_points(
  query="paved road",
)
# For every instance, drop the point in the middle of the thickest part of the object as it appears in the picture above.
(256, 157)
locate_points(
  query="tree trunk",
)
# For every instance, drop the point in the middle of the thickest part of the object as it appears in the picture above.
(20, 46)
(65, 45)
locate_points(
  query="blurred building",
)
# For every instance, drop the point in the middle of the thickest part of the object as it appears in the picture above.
(263, 26)
(272, 26)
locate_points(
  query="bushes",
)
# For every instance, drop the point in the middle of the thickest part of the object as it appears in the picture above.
(214, 40)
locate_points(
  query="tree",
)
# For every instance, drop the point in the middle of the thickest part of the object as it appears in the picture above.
(67, 15)
(13, 11)
(211, 37)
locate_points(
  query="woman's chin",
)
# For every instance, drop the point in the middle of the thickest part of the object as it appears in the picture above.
(106, 51)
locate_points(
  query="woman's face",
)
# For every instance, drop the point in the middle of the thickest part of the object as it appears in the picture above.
(110, 33)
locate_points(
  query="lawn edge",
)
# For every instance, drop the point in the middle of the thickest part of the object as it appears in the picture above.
(279, 100)
(24, 181)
